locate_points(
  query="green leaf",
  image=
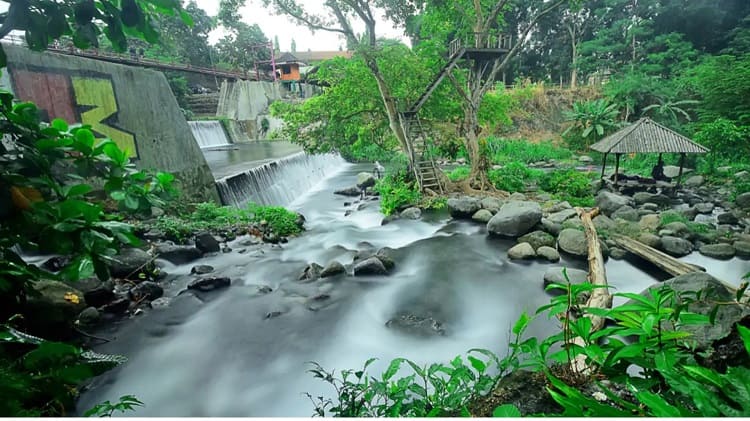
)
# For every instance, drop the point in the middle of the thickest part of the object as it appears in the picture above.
(745, 334)
(657, 404)
(76, 190)
(478, 364)
(392, 369)
(521, 324)
(506, 411)
(86, 137)
(60, 124)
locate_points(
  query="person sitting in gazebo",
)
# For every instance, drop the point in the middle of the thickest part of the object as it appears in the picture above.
(658, 172)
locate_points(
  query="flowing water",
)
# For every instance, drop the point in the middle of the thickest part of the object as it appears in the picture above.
(209, 134)
(221, 355)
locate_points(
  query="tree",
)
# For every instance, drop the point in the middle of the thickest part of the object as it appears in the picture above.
(276, 45)
(293, 47)
(244, 45)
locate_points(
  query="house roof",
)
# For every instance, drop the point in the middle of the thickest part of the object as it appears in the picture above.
(312, 56)
(647, 136)
(288, 58)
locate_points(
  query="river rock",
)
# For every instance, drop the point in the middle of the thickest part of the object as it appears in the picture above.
(538, 239)
(118, 306)
(492, 204)
(365, 180)
(604, 222)
(201, 269)
(207, 243)
(743, 200)
(463, 207)
(146, 291)
(370, 266)
(617, 253)
(673, 171)
(351, 192)
(573, 242)
(517, 196)
(651, 240)
(555, 275)
(705, 207)
(311, 273)
(482, 216)
(609, 202)
(718, 251)
(742, 249)
(411, 213)
(522, 251)
(178, 255)
(585, 159)
(95, 292)
(549, 254)
(128, 262)
(676, 246)
(89, 317)
(727, 218)
(515, 218)
(558, 207)
(649, 222)
(695, 181)
(627, 213)
(642, 198)
(690, 213)
(551, 227)
(52, 309)
(679, 228)
(332, 269)
(562, 216)
(416, 325)
(210, 284)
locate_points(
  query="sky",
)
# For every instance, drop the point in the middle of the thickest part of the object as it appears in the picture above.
(286, 30)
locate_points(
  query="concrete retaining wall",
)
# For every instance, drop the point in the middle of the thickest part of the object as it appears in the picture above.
(132, 106)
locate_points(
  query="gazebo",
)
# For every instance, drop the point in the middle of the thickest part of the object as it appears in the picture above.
(646, 136)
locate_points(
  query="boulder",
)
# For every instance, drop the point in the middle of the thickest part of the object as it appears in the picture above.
(585, 159)
(651, 240)
(52, 309)
(520, 197)
(673, 171)
(642, 198)
(365, 180)
(555, 275)
(649, 222)
(743, 200)
(351, 192)
(627, 213)
(609, 202)
(370, 266)
(649, 207)
(678, 228)
(549, 254)
(148, 291)
(89, 317)
(201, 269)
(742, 249)
(178, 255)
(482, 216)
(604, 222)
(727, 218)
(617, 253)
(118, 306)
(386, 256)
(695, 181)
(676, 246)
(558, 207)
(416, 325)
(128, 262)
(538, 239)
(690, 213)
(210, 284)
(332, 269)
(95, 292)
(311, 272)
(551, 227)
(492, 204)
(515, 219)
(411, 213)
(705, 207)
(522, 251)
(562, 216)
(742, 174)
(463, 207)
(573, 242)
(207, 243)
(718, 251)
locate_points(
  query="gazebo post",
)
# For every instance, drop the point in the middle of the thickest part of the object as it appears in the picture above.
(604, 164)
(617, 167)
(682, 166)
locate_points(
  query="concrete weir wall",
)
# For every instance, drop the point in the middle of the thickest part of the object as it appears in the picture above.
(132, 106)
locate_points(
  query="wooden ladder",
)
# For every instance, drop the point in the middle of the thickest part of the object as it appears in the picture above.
(424, 167)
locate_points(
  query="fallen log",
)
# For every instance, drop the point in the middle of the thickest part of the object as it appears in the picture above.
(659, 259)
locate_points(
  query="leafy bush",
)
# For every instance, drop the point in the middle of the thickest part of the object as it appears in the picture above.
(397, 192)
(668, 217)
(571, 185)
(502, 151)
(513, 177)
(592, 120)
(460, 173)
(726, 139)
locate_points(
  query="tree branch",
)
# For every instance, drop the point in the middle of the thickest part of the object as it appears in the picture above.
(13, 16)
(299, 15)
(494, 14)
(459, 88)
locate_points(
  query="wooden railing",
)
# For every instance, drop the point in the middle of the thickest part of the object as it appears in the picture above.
(491, 42)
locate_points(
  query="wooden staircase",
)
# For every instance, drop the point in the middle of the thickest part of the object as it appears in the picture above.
(456, 51)
(425, 170)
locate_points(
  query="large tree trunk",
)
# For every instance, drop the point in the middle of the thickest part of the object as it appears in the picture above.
(391, 109)
(479, 161)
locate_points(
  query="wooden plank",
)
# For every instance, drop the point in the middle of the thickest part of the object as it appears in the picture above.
(660, 259)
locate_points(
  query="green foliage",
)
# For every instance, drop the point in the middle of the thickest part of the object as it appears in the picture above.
(397, 191)
(502, 151)
(592, 120)
(495, 110)
(107, 408)
(668, 217)
(571, 185)
(726, 139)
(513, 177)
(459, 173)
(723, 84)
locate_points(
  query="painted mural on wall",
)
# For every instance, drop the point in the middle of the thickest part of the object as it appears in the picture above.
(75, 96)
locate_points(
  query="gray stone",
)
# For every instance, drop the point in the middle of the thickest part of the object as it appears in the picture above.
(210, 284)
(727, 218)
(128, 262)
(520, 197)
(574, 223)
(555, 275)
(482, 215)
(463, 207)
(650, 240)
(742, 174)
(695, 181)
(558, 207)
(718, 251)
(562, 216)
(178, 255)
(515, 219)
(371, 266)
(538, 239)
(311, 272)
(742, 248)
(365, 180)
(585, 159)
(201, 269)
(548, 253)
(676, 246)
(386, 256)
(609, 202)
(207, 243)
(604, 222)
(642, 198)
(522, 251)
(89, 317)
(146, 291)
(678, 228)
(351, 192)
(332, 269)
(650, 207)
(689, 213)
(411, 213)
(52, 310)
(416, 325)
(673, 171)
(543, 197)
(573, 242)
(649, 222)
(551, 227)
(705, 207)
(492, 204)
(627, 213)
(617, 253)
(743, 200)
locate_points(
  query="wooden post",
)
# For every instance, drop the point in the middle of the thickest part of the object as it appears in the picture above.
(682, 167)
(604, 164)
(617, 167)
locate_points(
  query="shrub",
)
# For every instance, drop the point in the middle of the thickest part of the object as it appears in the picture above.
(502, 151)
(397, 192)
(571, 185)
(459, 174)
(513, 177)
(668, 217)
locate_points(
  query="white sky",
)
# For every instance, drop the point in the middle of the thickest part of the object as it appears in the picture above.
(285, 29)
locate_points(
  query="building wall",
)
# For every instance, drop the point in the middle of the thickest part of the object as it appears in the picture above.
(132, 106)
(293, 72)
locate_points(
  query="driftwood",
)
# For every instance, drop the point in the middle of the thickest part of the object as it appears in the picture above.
(659, 259)
(600, 297)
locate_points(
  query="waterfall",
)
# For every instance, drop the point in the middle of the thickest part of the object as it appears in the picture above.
(209, 133)
(278, 182)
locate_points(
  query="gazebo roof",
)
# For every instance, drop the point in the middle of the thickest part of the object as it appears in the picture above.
(288, 58)
(647, 136)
